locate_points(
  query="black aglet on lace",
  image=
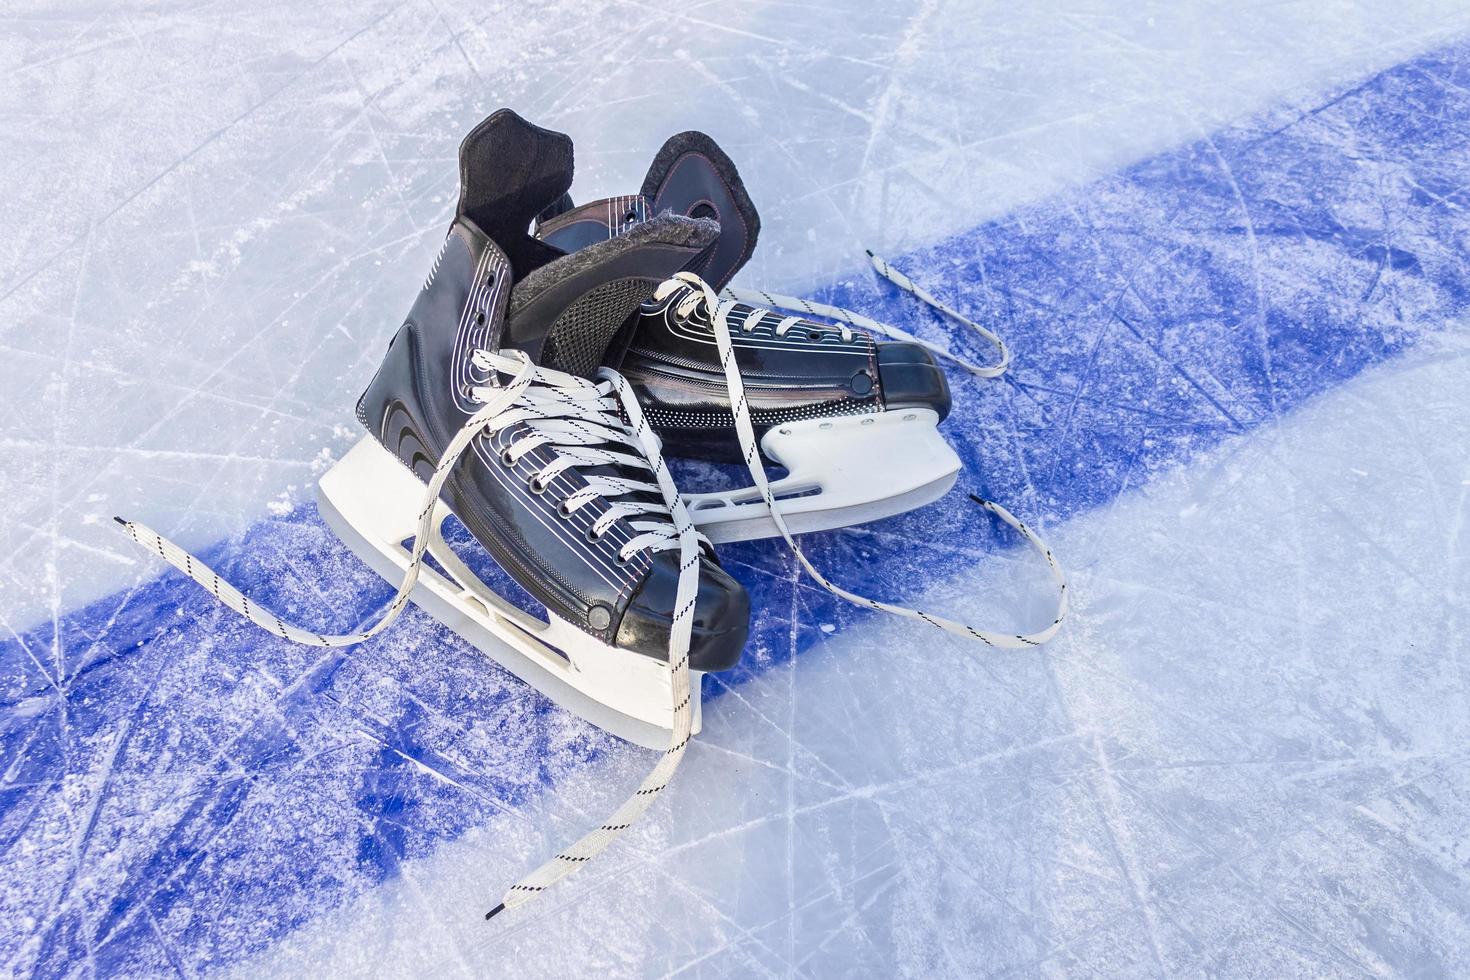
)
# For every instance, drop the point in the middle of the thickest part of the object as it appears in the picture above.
(120, 521)
(979, 500)
(492, 913)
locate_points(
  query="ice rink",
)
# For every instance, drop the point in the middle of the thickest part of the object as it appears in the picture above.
(1228, 244)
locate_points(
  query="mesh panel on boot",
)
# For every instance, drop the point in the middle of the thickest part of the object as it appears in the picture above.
(578, 341)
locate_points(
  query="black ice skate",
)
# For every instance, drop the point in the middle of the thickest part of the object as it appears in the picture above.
(558, 488)
(852, 419)
(491, 406)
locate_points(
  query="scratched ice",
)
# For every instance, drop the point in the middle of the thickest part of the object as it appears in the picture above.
(1229, 247)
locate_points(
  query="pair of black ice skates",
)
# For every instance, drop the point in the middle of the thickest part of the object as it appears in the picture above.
(555, 354)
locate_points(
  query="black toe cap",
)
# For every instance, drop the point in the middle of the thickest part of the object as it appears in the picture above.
(721, 615)
(910, 378)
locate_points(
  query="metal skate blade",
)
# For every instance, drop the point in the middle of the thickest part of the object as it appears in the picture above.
(370, 501)
(840, 472)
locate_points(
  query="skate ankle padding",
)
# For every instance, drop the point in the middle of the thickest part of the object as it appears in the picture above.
(575, 314)
(692, 176)
(509, 172)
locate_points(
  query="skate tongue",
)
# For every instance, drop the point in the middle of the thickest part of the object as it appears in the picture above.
(692, 176)
(571, 313)
(576, 313)
(509, 172)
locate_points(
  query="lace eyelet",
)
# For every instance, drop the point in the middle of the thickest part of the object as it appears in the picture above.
(535, 485)
(592, 536)
(506, 458)
(622, 560)
(479, 318)
(631, 216)
(561, 510)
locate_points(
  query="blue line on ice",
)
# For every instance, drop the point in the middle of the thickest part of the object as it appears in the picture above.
(243, 784)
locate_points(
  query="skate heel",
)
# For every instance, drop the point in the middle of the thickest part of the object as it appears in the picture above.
(371, 501)
(840, 471)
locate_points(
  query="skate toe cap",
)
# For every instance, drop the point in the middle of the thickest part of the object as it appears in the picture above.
(721, 615)
(910, 378)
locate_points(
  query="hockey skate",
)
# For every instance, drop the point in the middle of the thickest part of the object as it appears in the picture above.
(723, 376)
(559, 492)
(558, 484)
(491, 407)
(827, 399)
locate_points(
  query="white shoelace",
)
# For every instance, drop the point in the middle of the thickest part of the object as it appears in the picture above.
(701, 298)
(847, 319)
(574, 417)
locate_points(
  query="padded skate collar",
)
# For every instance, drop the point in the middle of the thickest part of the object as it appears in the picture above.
(509, 171)
(576, 313)
(672, 230)
(692, 176)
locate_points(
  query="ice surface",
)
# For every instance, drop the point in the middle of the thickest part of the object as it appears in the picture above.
(1198, 227)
